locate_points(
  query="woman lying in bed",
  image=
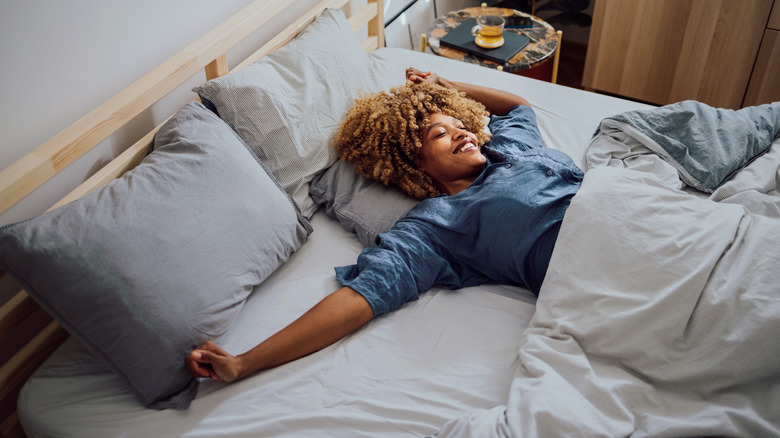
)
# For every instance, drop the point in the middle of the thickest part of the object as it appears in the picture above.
(489, 214)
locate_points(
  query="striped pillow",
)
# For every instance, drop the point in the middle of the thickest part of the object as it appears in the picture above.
(289, 105)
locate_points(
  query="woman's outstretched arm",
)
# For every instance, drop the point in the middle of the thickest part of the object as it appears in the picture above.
(496, 101)
(336, 316)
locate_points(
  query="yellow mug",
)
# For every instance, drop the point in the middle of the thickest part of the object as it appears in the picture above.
(489, 31)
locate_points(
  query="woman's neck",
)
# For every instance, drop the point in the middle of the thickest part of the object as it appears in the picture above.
(456, 186)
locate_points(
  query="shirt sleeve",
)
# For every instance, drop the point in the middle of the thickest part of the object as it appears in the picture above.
(402, 265)
(513, 134)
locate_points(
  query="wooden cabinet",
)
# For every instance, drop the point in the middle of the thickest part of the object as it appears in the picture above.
(664, 51)
(764, 83)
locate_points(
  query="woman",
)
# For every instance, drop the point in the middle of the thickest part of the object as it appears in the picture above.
(489, 214)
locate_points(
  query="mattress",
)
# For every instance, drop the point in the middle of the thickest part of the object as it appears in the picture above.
(406, 373)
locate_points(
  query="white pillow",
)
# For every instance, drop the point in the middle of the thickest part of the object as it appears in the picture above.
(288, 106)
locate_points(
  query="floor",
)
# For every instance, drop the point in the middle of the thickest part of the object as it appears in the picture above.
(572, 64)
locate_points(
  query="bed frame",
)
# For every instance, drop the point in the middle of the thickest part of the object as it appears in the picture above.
(35, 168)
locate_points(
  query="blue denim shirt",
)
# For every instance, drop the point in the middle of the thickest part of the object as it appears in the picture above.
(501, 229)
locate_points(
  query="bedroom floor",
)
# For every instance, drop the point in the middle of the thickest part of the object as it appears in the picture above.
(572, 64)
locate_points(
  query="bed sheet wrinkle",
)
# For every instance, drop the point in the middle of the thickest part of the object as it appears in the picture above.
(756, 186)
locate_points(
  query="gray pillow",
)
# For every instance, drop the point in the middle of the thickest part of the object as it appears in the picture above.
(161, 259)
(367, 208)
(289, 105)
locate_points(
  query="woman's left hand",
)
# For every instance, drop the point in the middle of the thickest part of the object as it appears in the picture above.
(417, 76)
(498, 102)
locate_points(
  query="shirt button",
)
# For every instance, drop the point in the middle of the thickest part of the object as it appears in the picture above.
(549, 173)
(508, 166)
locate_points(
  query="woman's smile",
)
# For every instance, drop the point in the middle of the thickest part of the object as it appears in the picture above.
(465, 146)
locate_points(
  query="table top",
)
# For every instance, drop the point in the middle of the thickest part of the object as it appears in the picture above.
(544, 40)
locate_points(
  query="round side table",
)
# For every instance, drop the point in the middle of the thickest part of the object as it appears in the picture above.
(542, 47)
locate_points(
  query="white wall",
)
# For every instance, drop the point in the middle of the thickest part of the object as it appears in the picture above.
(405, 31)
(61, 59)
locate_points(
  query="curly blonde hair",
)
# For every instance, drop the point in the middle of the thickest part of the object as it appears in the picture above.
(382, 132)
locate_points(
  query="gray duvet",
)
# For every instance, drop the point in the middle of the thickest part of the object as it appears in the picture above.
(660, 312)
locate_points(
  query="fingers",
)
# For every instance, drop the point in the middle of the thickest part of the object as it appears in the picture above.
(416, 75)
(414, 71)
(200, 362)
(200, 365)
(196, 366)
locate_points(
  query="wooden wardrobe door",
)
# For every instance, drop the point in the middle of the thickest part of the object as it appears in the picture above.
(663, 51)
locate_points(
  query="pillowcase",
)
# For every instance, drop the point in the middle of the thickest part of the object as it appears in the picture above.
(161, 259)
(289, 105)
(367, 208)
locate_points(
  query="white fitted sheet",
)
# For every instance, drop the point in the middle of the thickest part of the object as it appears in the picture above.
(406, 373)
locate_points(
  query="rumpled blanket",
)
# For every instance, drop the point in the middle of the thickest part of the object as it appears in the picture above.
(703, 144)
(660, 312)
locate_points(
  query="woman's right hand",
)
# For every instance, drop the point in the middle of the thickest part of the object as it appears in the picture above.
(209, 360)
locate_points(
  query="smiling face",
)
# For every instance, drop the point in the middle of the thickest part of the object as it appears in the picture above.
(383, 135)
(450, 154)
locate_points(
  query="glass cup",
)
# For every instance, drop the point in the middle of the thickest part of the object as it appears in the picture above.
(489, 31)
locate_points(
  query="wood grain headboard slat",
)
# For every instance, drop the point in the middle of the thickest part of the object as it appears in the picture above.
(370, 43)
(370, 15)
(16, 371)
(217, 67)
(376, 26)
(10, 428)
(15, 310)
(363, 16)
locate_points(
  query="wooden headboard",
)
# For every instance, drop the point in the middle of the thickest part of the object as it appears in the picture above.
(31, 171)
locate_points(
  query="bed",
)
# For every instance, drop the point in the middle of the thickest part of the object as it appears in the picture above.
(659, 315)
